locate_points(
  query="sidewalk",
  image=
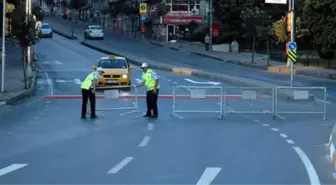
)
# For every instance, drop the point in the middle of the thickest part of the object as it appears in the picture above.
(242, 58)
(14, 80)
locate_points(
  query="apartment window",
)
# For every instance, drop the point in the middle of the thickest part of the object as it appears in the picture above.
(180, 7)
(169, 7)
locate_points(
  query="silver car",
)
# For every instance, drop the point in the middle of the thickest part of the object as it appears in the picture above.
(46, 30)
(94, 31)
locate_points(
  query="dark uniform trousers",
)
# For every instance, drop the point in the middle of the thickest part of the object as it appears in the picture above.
(88, 94)
(151, 100)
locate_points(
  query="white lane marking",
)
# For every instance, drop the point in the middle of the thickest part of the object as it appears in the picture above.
(275, 129)
(290, 141)
(60, 81)
(195, 82)
(144, 141)
(77, 81)
(50, 84)
(313, 177)
(281, 117)
(322, 101)
(257, 121)
(120, 165)
(283, 135)
(36, 100)
(2, 103)
(265, 125)
(53, 62)
(138, 80)
(174, 83)
(11, 168)
(36, 117)
(150, 126)
(208, 175)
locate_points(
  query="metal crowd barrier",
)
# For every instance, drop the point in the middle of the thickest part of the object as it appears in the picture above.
(248, 100)
(114, 93)
(197, 92)
(302, 100)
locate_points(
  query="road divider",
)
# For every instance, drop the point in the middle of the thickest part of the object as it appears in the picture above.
(68, 36)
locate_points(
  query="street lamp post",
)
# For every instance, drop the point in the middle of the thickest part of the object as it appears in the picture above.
(3, 46)
(210, 24)
(291, 9)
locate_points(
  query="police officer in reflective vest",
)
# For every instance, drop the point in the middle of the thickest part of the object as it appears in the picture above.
(150, 80)
(88, 92)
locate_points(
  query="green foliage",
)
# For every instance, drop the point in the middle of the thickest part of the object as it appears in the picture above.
(279, 30)
(254, 18)
(125, 7)
(50, 2)
(23, 27)
(162, 9)
(320, 19)
(199, 33)
(38, 12)
(77, 4)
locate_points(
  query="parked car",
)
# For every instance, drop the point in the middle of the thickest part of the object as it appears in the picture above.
(94, 31)
(46, 30)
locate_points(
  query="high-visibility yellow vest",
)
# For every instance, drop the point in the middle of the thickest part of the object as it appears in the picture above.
(88, 81)
(149, 80)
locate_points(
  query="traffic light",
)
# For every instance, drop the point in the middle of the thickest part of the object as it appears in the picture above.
(9, 8)
(289, 21)
(7, 27)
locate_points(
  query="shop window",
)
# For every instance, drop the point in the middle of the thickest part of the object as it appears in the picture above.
(169, 7)
(180, 7)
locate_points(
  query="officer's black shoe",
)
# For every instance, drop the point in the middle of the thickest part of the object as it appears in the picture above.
(94, 117)
(146, 115)
(155, 116)
(83, 117)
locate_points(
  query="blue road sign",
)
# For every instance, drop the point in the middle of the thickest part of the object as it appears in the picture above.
(292, 46)
(143, 17)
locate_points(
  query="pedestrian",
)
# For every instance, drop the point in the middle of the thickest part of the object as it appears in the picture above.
(88, 89)
(151, 81)
(207, 41)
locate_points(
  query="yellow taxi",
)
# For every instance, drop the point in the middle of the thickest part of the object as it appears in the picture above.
(117, 72)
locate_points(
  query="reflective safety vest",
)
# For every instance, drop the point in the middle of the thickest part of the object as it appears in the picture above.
(88, 81)
(149, 80)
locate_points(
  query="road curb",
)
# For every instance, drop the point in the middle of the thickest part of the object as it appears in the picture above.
(238, 81)
(68, 36)
(23, 94)
(332, 146)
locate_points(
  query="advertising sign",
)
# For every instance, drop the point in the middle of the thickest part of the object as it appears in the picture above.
(276, 1)
(181, 19)
(143, 8)
(215, 29)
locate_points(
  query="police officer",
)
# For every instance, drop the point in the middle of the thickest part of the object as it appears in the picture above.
(88, 92)
(150, 80)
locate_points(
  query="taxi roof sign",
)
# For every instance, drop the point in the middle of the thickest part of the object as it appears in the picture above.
(112, 57)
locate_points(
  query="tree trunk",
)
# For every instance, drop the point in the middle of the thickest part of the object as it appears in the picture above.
(23, 57)
(253, 49)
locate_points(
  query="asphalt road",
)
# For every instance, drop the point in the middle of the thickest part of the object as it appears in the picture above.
(44, 141)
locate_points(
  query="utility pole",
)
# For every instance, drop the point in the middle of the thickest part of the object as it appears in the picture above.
(3, 46)
(291, 10)
(210, 24)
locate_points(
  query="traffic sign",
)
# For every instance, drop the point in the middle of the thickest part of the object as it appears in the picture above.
(143, 17)
(292, 55)
(292, 46)
(143, 8)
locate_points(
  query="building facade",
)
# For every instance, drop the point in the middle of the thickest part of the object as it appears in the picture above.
(180, 17)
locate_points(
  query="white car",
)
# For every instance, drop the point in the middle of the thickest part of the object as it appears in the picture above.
(46, 30)
(94, 31)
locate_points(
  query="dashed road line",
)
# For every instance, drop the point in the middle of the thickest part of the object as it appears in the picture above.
(313, 177)
(265, 125)
(11, 168)
(275, 129)
(120, 165)
(208, 175)
(144, 141)
(36, 117)
(257, 121)
(150, 126)
(283, 135)
(289, 141)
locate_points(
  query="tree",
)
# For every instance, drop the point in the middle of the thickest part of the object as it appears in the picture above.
(320, 18)
(279, 29)
(38, 12)
(255, 20)
(104, 11)
(25, 32)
